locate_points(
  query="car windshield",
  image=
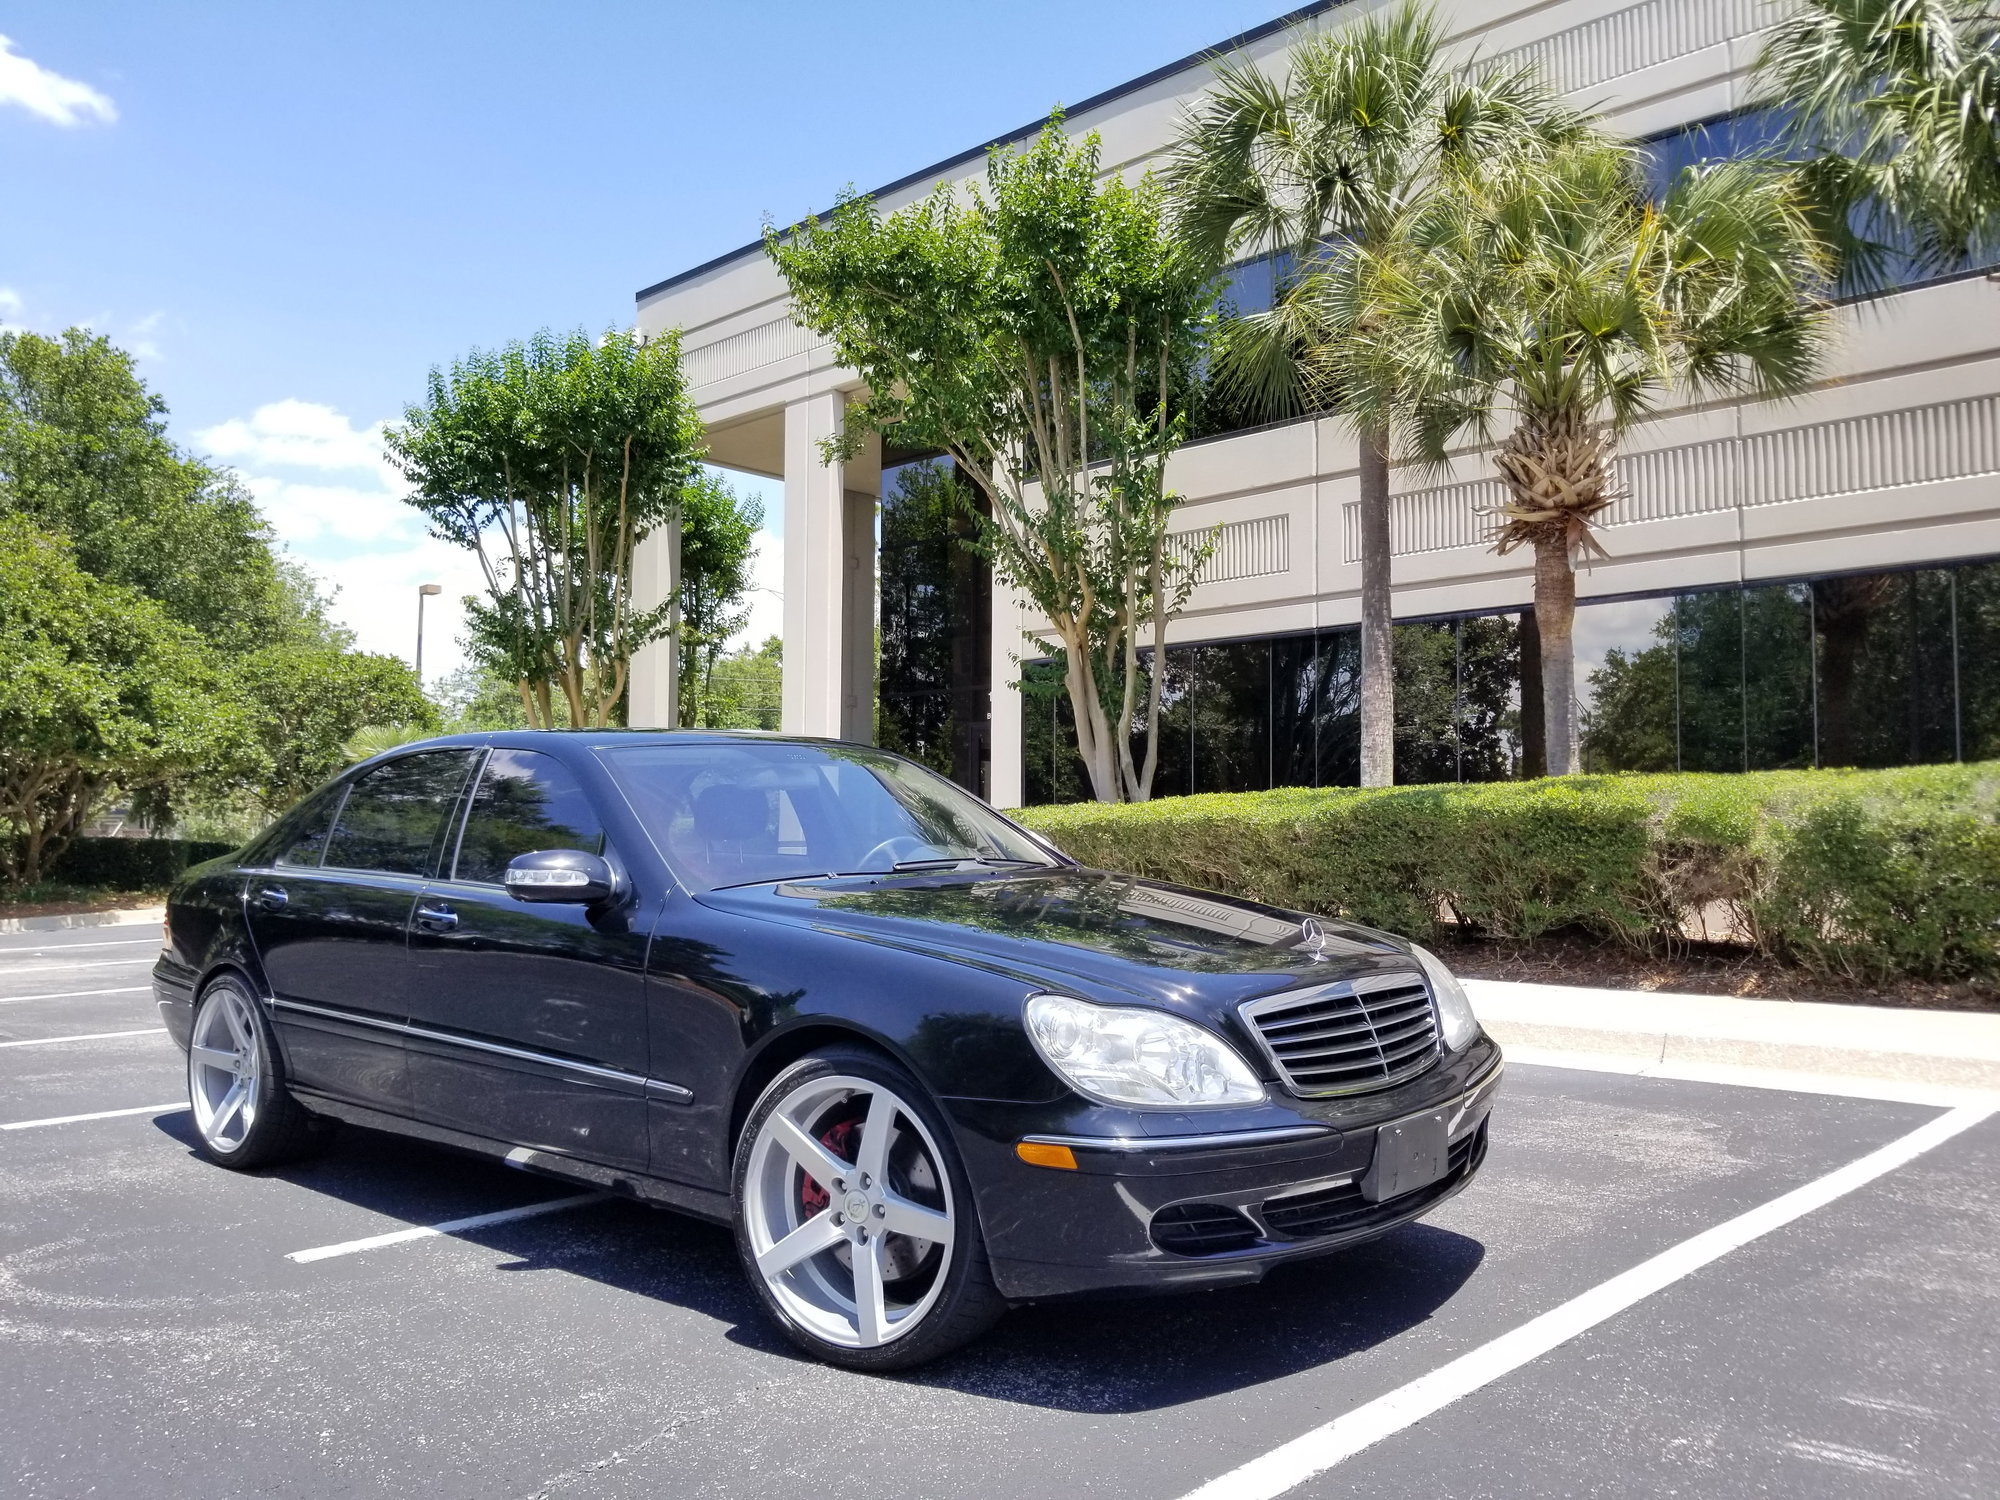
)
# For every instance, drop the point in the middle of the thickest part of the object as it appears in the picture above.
(744, 813)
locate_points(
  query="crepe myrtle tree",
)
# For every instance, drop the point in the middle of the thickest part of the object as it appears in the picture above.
(1311, 166)
(1038, 331)
(551, 460)
(1549, 299)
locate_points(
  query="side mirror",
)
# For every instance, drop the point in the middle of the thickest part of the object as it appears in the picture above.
(559, 875)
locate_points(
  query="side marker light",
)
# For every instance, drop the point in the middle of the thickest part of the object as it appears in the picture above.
(1043, 1154)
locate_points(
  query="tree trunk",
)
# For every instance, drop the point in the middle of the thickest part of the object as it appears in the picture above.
(1555, 621)
(1534, 712)
(1378, 659)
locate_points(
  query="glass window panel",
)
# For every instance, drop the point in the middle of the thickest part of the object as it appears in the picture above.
(1230, 692)
(1489, 697)
(1338, 707)
(933, 603)
(1711, 678)
(1885, 669)
(1627, 685)
(300, 836)
(1777, 676)
(1427, 740)
(393, 818)
(526, 801)
(1978, 590)
(1295, 707)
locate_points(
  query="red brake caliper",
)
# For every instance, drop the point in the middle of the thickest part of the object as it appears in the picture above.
(840, 1140)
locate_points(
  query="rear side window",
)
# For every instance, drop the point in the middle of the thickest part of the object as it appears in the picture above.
(396, 814)
(298, 839)
(526, 801)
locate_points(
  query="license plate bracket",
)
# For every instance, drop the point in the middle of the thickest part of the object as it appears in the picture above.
(1410, 1154)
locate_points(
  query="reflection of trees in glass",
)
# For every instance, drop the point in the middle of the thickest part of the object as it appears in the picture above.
(923, 515)
(1885, 669)
(1456, 716)
(525, 802)
(1978, 611)
(1230, 707)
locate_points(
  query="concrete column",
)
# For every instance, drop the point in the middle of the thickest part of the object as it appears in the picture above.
(829, 577)
(655, 671)
(1009, 645)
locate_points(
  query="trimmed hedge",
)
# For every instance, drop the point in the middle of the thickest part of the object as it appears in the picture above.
(1871, 874)
(130, 864)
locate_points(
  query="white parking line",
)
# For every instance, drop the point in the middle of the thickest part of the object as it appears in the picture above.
(1287, 1467)
(89, 963)
(65, 947)
(450, 1226)
(102, 1114)
(130, 989)
(88, 1036)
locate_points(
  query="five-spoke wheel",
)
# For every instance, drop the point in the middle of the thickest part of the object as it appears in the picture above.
(243, 1115)
(225, 1066)
(853, 1217)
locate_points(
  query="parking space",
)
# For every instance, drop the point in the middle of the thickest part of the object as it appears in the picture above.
(167, 1337)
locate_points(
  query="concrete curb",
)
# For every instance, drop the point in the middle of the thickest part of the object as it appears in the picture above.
(69, 921)
(1938, 1048)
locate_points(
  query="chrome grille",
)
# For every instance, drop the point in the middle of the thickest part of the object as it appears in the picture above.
(1344, 1038)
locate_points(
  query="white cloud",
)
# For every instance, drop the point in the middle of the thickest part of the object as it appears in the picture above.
(59, 100)
(300, 435)
(767, 597)
(11, 305)
(336, 504)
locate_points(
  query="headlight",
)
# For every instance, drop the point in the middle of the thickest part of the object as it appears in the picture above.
(1455, 1015)
(1128, 1055)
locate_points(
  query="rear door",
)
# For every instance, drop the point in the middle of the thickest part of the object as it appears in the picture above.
(330, 916)
(528, 1020)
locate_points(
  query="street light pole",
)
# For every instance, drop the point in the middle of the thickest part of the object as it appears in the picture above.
(424, 591)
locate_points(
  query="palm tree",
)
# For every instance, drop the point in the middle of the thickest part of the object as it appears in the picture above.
(1552, 297)
(1309, 168)
(1893, 110)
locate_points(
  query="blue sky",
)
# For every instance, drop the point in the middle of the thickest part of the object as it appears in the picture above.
(290, 212)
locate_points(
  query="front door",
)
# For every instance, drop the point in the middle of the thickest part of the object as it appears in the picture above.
(329, 914)
(528, 1020)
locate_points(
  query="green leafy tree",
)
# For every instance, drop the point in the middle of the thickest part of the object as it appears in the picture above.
(1894, 114)
(718, 547)
(306, 702)
(84, 454)
(746, 688)
(1036, 332)
(551, 460)
(1313, 168)
(99, 687)
(1547, 296)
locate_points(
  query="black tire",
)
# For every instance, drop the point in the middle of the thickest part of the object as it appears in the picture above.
(279, 1129)
(966, 1305)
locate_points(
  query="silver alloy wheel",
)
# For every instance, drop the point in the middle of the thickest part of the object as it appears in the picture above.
(225, 1065)
(864, 1268)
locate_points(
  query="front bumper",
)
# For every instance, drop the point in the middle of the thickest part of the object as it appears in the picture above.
(1161, 1212)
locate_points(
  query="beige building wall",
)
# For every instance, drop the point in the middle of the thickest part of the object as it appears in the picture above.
(1895, 459)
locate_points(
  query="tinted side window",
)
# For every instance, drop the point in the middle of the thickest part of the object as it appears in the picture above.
(526, 801)
(395, 814)
(300, 839)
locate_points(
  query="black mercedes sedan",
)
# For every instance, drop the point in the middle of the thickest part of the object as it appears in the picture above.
(922, 1062)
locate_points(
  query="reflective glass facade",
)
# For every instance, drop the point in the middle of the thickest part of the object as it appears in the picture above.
(935, 669)
(1876, 669)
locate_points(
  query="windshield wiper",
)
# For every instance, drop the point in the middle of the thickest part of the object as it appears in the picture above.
(961, 860)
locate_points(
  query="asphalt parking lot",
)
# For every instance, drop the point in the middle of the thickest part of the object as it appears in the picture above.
(1795, 1325)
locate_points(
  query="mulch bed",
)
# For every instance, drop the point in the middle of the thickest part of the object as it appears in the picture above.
(1704, 969)
(95, 901)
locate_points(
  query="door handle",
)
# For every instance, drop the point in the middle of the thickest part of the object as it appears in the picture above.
(436, 918)
(272, 898)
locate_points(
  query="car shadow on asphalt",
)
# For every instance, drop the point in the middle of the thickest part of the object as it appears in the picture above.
(1110, 1355)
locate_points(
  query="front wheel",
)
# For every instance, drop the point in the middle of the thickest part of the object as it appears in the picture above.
(854, 1217)
(243, 1115)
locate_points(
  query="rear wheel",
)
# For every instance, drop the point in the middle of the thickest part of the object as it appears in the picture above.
(854, 1217)
(243, 1115)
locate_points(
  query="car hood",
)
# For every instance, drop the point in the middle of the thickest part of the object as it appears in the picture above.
(1084, 929)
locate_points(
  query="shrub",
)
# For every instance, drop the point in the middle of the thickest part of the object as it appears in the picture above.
(1867, 873)
(131, 864)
